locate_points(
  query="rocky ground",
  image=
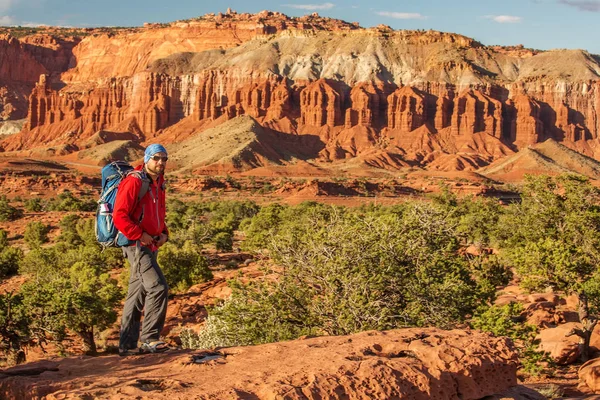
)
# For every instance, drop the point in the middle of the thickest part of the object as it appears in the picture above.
(411, 363)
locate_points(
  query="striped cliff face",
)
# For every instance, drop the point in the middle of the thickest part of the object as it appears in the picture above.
(410, 94)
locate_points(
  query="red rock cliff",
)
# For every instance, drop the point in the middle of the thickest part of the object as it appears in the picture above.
(21, 64)
(319, 76)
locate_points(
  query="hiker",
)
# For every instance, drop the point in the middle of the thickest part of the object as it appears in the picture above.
(143, 221)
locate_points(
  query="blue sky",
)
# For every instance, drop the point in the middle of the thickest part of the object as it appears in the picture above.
(540, 24)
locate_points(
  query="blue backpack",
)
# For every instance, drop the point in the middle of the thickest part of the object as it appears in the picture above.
(112, 175)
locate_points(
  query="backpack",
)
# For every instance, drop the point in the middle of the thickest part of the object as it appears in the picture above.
(112, 175)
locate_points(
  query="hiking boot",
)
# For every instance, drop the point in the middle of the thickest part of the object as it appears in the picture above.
(157, 346)
(127, 352)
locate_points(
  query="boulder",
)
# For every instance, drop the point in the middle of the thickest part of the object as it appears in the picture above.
(562, 349)
(543, 297)
(540, 313)
(589, 376)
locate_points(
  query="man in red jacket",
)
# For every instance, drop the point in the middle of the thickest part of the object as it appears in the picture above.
(144, 223)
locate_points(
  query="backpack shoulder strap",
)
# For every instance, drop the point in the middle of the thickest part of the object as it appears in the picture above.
(145, 183)
(144, 188)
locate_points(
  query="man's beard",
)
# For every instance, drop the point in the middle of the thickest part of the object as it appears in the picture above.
(158, 169)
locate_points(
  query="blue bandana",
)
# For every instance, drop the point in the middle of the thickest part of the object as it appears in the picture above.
(152, 150)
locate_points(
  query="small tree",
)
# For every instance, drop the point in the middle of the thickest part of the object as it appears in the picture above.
(67, 201)
(36, 234)
(70, 290)
(16, 328)
(10, 257)
(552, 237)
(507, 320)
(8, 212)
(3, 239)
(33, 205)
(223, 241)
(82, 299)
(341, 272)
(68, 231)
(183, 267)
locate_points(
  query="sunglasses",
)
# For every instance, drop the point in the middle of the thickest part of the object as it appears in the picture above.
(160, 158)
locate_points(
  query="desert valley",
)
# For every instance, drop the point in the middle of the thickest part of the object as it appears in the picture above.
(354, 213)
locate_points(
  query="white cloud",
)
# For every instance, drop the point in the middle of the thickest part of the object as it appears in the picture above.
(504, 19)
(6, 20)
(399, 15)
(324, 6)
(28, 24)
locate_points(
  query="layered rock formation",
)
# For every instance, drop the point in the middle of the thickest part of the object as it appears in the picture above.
(21, 64)
(413, 97)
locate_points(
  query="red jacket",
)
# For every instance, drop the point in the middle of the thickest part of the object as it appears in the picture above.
(126, 214)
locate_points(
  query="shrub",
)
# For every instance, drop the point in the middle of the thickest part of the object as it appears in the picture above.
(225, 216)
(33, 204)
(552, 237)
(69, 287)
(271, 219)
(51, 262)
(36, 234)
(232, 182)
(10, 257)
(200, 223)
(260, 228)
(80, 298)
(8, 212)
(3, 239)
(503, 321)
(251, 315)
(86, 229)
(113, 258)
(183, 267)
(42, 262)
(176, 214)
(90, 255)
(77, 232)
(68, 231)
(16, 328)
(345, 272)
(123, 278)
(66, 201)
(223, 241)
(489, 272)
(477, 221)
(591, 287)
(506, 321)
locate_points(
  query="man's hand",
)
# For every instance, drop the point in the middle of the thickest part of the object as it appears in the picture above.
(161, 240)
(146, 240)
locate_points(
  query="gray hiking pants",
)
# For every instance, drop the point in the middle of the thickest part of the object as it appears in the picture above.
(148, 292)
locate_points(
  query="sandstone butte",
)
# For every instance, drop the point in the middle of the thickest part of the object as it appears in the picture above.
(387, 98)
